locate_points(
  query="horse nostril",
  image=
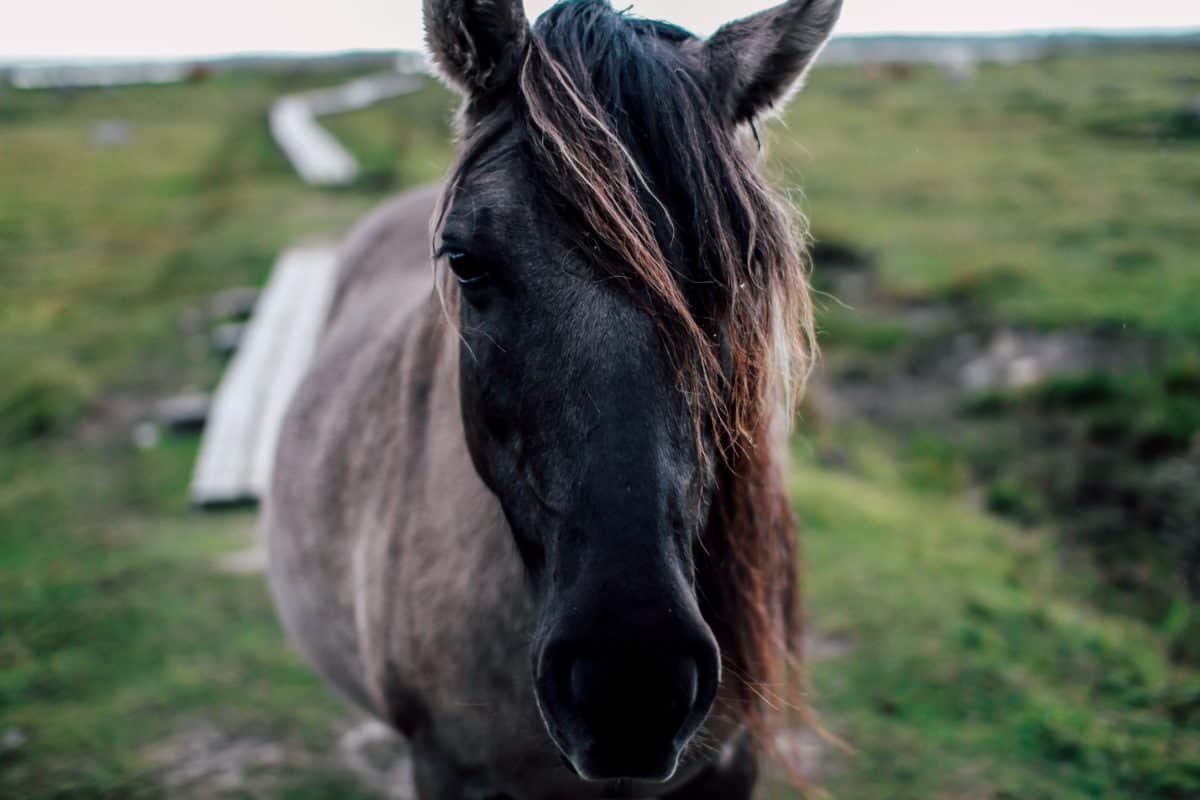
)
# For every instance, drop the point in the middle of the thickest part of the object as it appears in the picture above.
(653, 698)
(626, 712)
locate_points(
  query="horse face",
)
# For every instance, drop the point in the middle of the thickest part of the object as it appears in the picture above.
(574, 419)
(575, 414)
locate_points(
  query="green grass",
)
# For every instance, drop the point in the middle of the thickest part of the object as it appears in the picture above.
(987, 659)
(978, 668)
(955, 185)
(104, 248)
(116, 629)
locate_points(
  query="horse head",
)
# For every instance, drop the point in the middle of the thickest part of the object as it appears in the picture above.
(632, 304)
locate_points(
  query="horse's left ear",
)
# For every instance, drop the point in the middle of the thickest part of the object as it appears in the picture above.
(757, 62)
(477, 44)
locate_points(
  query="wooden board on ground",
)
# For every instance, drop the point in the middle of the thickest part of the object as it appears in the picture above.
(238, 449)
(314, 152)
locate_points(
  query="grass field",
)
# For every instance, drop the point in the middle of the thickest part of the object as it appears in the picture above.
(993, 640)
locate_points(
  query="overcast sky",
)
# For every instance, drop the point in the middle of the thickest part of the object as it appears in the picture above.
(165, 28)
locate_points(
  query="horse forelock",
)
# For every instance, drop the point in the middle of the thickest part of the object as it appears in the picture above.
(626, 138)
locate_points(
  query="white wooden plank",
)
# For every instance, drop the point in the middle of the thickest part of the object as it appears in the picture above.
(317, 270)
(314, 152)
(221, 474)
(243, 426)
(360, 93)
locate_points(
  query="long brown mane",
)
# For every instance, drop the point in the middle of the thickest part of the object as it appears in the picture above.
(670, 200)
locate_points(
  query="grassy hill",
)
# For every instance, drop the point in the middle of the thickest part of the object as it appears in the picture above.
(992, 640)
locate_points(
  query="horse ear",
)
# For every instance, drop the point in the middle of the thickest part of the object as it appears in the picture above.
(477, 44)
(757, 62)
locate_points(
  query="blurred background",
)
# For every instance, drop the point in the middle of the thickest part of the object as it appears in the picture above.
(997, 467)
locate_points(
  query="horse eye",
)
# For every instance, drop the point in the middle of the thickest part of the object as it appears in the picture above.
(468, 270)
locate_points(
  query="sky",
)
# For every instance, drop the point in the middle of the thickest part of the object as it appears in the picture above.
(165, 29)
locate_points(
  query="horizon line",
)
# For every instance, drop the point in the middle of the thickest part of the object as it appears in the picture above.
(1153, 32)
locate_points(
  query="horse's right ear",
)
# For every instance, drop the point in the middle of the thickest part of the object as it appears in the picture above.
(477, 44)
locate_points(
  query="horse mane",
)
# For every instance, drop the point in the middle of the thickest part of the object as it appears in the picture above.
(670, 200)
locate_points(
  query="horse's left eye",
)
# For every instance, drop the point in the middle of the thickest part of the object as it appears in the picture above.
(468, 270)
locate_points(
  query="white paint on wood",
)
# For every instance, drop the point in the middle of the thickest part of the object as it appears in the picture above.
(313, 151)
(238, 450)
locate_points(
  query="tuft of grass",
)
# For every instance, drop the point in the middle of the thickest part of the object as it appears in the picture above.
(43, 398)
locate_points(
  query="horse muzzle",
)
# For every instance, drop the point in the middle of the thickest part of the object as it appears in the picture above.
(619, 713)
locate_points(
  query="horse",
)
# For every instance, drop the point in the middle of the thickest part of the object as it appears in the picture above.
(529, 502)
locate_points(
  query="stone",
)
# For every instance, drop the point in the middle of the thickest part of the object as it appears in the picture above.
(235, 303)
(184, 413)
(12, 739)
(145, 435)
(111, 133)
(227, 337)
